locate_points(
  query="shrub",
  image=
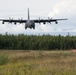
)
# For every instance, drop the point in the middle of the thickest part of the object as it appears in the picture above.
(3, 59)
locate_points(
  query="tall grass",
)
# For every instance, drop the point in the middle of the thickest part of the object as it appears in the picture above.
(39, 63)
(3, 59)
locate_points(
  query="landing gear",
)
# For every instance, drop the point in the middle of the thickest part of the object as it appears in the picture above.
(25, 27)
(33, 27)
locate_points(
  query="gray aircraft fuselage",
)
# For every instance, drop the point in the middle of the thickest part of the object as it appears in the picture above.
(30, 24)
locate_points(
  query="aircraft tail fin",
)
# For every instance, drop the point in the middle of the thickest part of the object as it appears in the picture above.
(28, 14)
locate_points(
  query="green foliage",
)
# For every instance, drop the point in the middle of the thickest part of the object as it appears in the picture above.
(34, 42)
(3, 59)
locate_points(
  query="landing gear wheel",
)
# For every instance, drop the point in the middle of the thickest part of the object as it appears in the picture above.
(25, 27)
(33, 27)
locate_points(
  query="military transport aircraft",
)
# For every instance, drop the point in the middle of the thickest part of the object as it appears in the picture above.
(30, 23)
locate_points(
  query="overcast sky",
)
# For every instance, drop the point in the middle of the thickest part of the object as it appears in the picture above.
(38, 8)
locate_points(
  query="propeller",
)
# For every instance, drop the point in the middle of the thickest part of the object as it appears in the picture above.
(49, 20)
(20, 20)
(10, 20)
(39, 20)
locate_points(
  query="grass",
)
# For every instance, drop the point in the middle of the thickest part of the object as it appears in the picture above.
(3, 59)
(39, 63)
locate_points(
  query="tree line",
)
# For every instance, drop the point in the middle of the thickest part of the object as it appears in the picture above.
(37, 42)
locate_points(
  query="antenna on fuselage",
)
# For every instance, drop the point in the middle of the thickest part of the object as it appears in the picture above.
(28, 14)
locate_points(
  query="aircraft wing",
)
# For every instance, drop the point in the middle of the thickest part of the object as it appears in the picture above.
(13, 21)
(48, 20)
(36, 21)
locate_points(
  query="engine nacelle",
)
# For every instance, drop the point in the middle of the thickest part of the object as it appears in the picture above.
(56, 22)
(15, 23)
(44, 23)
(3, 22)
